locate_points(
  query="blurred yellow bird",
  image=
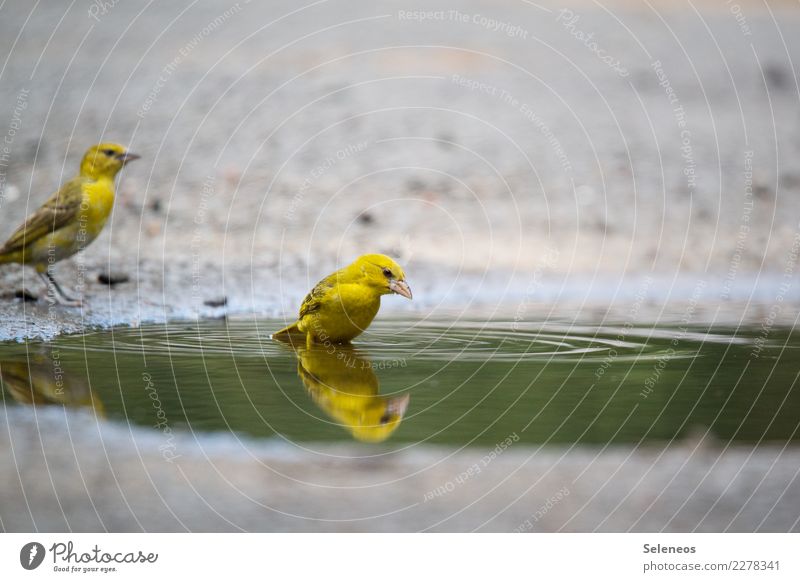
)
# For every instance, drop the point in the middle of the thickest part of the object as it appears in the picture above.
(343, 304)
(343, 384)
(71, 218)
(39, 379)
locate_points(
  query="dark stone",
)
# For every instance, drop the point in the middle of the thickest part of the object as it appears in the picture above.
(216, 302)
(25, 295)
(415, 185)
(762, 191)
(777, 77)
(112, 278)
(791, 181)
(366, 218)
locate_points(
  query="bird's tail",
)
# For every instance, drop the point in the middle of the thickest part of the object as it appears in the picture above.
(290, 334)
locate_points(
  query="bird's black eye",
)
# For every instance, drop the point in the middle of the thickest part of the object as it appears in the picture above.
(387, 271)
(385, 418)
(110, 153)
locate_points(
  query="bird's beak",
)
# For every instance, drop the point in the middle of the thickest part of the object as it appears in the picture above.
(398, 405)
(128, 157)
(400, 287)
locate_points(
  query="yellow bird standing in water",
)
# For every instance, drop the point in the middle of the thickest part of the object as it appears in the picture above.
(71, 218)
(343, 304)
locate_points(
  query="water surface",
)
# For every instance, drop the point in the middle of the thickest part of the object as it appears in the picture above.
(409, 381)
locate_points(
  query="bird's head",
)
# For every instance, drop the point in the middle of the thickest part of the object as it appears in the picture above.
(383, 274)
(104, 160)
(380, 419)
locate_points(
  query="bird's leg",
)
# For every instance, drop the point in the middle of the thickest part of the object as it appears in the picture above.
(59, 294)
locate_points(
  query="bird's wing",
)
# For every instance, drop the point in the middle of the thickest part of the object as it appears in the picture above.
(313, 300)
(57, 211)
(311, 304)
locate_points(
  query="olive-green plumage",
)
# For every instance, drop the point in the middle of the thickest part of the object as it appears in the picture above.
(71, 218)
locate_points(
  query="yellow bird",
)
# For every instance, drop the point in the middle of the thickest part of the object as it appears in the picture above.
(343, 384)
(71, 218)
(343, 304)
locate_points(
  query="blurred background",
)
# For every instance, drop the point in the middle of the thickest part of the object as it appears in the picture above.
(621, 164)
(487, 139)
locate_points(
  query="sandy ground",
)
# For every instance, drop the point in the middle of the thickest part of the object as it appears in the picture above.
(227, 484)
(281, 141)
(509, 154)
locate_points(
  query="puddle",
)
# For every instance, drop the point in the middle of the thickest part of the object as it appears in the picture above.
(412, 381)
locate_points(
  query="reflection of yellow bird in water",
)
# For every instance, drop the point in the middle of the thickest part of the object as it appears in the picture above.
(343, 304)
(344, 385)
(71, 218)
(41, 380)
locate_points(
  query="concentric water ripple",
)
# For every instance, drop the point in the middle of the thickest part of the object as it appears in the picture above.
(429, 340)
(452, 381)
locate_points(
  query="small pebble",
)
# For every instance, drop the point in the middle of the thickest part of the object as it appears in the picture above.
(113, 277)
(777, 77)
(762, 191)
(25, 295)
(216, 302)
(366, 218)
(415, 185)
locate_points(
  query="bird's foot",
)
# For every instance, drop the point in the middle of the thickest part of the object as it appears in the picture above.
(72, 302)
(64, 301)
(55, 294)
